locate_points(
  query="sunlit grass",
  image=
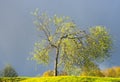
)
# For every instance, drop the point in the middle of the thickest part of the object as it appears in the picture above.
(12, 79)
(72, 79)
(60, 79)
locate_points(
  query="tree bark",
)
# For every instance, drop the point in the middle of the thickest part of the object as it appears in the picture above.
(56, 63)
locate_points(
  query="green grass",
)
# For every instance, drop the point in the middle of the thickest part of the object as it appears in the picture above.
(60, 79)
(12, 79)
(72, 79)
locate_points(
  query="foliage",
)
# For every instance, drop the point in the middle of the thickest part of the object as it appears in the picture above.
(51, 73)
(72, 79)
(112, 72)
(99, 43)
(74, 47)
(48, 73)
(9, 71)
(91, 70)
(97, 73)
(117, 70)
(63, 73)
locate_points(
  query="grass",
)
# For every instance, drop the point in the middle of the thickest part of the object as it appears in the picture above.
(12, 79)
(60, 79)
(72, 79)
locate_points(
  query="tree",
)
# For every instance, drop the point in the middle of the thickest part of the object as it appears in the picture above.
(9, 71)
(74, 48)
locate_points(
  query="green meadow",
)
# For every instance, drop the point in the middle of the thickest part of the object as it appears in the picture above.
(61, 79)
(72, 79)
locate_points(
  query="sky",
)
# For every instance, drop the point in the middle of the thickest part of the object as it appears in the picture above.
(18, 33)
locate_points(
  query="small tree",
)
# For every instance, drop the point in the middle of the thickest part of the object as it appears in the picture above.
(74, 47)
(9, 71)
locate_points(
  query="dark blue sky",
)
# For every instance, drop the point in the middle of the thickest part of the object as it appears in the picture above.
(18, 34)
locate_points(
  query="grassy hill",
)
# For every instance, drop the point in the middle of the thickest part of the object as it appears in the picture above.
(72, 79)
(60, 79)
(12, 79)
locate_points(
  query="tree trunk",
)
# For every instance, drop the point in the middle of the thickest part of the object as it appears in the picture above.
(56, 63)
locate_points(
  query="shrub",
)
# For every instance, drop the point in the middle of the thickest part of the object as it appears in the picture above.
(51, 73)
(48, 73)
(63, 73)
(109, 72)
(93, 73)
(112, 72)
(117, 70)
(91, 69)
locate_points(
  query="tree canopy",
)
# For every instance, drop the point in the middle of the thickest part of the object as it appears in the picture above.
(75, 48)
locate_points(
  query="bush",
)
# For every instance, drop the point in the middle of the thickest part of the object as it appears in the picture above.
(93, 73)
(9, 71)
(48, 73)
(112, 72)
(109, 72)
(51, 73)
(63, 73)
(91, 69)
(117, 70)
